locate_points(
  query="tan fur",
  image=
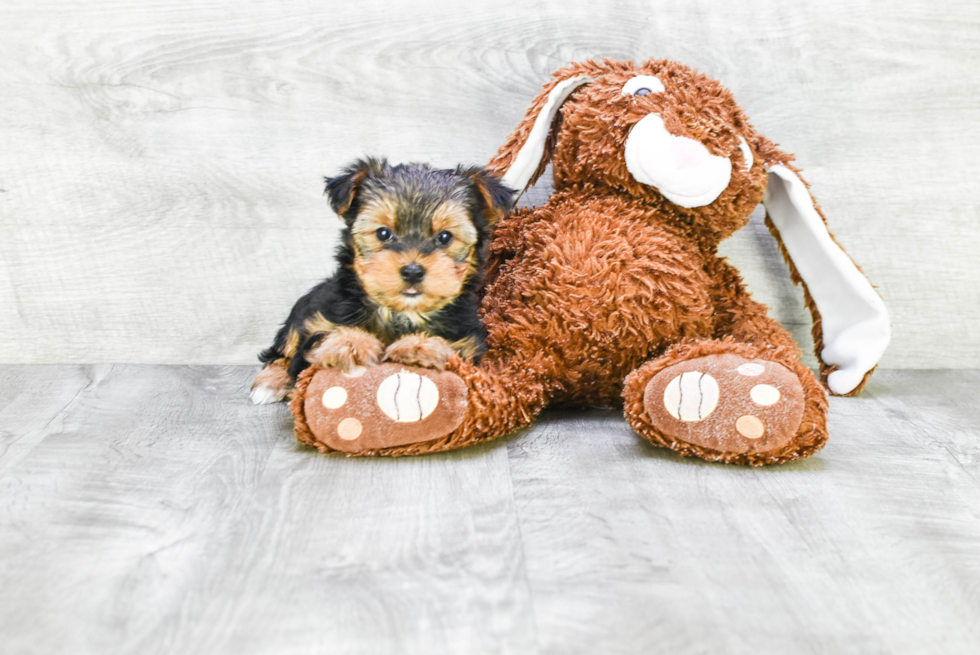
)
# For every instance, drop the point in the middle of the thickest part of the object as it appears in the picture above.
(379, 212)
(447, 269)
(420, 350)
(381, 277)
(452, 216)
(346, 348)
(275, 378)
(292, 343)
(444, 279)
(467, 348)
(358, 177)
(314, 324)
(495, 213)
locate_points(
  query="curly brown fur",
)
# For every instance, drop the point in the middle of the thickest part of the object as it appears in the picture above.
(596, 120)
(296, 405)
(589, 296)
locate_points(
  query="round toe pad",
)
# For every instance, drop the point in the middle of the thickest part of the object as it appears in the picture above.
(726, 403)
(383, 406)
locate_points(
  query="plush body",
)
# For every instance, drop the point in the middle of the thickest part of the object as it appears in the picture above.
(612, 293)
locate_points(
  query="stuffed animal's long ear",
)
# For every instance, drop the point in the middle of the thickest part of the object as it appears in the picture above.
(525, 154)
(342, 190)
(850, 323)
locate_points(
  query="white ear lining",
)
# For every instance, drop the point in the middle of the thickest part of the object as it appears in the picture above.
(529, 157)
(854, 320)
(746, 153)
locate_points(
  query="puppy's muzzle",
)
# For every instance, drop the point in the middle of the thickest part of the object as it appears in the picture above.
(412, 273)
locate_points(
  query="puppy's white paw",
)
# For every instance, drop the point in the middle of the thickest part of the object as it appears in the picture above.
(272, 384)
(266, 394)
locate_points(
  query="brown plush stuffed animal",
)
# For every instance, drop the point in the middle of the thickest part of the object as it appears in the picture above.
(613, 292)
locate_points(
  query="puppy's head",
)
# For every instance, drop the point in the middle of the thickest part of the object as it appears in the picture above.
(417, 233)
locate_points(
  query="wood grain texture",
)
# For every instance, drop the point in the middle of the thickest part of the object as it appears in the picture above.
(156, 511)
(33, 401)
(166, 514)
(869, 547)
(161, 161)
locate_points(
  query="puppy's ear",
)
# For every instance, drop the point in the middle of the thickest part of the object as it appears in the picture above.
(342, 190)
(497, 198)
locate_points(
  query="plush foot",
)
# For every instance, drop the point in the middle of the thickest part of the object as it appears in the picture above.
(726, 404)
(420, 350)
(368, 409)
(272, 384)
(346, 349)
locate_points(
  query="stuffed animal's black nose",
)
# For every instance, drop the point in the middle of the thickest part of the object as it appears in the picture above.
(412, 273)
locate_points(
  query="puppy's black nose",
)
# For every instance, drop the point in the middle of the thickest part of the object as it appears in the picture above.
(412, 273)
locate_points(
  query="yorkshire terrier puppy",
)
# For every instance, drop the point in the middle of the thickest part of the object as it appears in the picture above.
(408, 268)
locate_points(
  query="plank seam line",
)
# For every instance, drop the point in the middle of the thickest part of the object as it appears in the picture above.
(927, 436)
(520, 536)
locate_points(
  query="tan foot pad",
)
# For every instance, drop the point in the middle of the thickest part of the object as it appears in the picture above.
(383, 406)
(726, 403)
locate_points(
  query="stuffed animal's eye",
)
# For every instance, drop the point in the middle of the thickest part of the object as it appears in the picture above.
(643, 85)
(384, 234)
(444, 238)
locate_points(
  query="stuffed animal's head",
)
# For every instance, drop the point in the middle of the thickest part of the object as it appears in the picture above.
(676, 141)
(660, 131)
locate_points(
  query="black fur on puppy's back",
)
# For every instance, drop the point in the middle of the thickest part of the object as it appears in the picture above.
(339, 299)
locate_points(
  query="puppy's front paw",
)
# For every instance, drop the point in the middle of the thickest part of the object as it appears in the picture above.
(272, 384)
(420, 350)
(346, 349)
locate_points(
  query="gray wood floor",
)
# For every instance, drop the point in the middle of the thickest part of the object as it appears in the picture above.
(151, 509)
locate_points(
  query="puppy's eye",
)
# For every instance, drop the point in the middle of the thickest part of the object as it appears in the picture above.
(643, 91)
(384, 234)
(444, 238)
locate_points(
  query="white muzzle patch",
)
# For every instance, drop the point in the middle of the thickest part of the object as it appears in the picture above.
(681, 169)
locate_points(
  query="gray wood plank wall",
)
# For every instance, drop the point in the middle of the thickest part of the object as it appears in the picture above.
(161, 161)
